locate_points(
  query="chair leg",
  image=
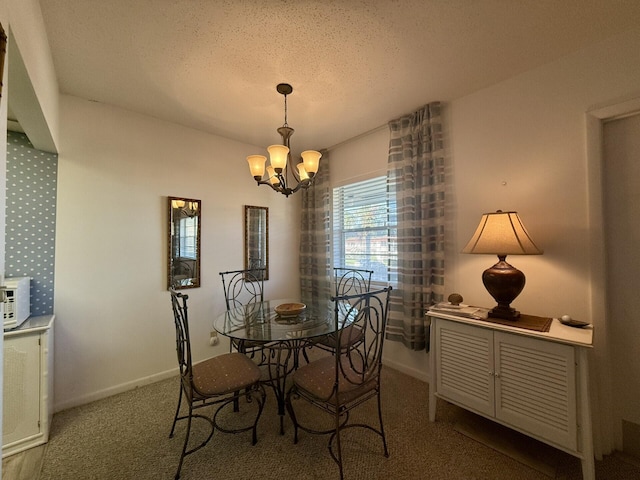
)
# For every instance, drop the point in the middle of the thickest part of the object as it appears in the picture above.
(261, 401)
(186, 442)
(337, 434)
(292, 414)
(236, 401)
(305, 355)
(384, 438)
(175, 419)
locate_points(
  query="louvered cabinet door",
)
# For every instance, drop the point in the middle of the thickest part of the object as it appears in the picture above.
(28, 385)
(465, 366)
(536, 387)
(21, 396)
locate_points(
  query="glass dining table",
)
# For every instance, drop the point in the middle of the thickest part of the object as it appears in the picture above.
(284, 336)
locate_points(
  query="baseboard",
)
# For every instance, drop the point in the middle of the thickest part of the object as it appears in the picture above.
(140, 382)
(412, 372)
(107, 392)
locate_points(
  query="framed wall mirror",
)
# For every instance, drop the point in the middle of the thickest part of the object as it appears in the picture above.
(184, 243)
(256, 238)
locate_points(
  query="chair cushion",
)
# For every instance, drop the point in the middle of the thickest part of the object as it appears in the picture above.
(350, 336)
(318, 378)
(225, 373)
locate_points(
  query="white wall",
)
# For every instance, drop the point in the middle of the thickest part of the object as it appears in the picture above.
(34, 97)
(531, 132)
(114, 327)
(521, 145)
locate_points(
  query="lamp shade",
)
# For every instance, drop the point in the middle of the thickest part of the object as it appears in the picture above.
(256, 165)
(273, 178)
(501, 233)
(302, 173)
(311, 160)
(278, 157)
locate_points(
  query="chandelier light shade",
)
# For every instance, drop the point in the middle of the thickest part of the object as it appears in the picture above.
(279, 176)
(185, 208)
(502, 233)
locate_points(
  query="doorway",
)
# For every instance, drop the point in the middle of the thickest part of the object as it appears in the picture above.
(621, 212)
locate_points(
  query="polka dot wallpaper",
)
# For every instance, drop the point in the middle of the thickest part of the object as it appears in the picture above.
(31, 218)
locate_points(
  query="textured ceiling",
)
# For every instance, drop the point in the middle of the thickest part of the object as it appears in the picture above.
(354, 64)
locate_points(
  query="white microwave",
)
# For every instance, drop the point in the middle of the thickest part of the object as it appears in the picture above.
(17, 308)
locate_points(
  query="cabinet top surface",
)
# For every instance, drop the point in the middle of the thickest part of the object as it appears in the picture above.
(558, 332)
(32, 324)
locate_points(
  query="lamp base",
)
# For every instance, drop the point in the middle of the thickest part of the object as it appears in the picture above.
(504, 282)
(504, 312)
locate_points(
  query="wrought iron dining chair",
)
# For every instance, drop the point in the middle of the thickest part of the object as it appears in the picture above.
(222, 380)
(339, 383)
(351, 281)
(243, 287)
(348, 281)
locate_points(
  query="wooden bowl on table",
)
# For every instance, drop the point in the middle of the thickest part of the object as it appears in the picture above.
(290, 310)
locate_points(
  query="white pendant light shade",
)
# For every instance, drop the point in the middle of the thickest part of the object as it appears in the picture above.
(302, 173)
(256, 165)
(278, 157)
(311, 160)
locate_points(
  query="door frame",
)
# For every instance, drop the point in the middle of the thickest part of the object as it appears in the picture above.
(607, 429)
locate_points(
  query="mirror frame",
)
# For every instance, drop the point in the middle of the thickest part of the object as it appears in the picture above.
(194, 211)
(3, 52)
(248, 251)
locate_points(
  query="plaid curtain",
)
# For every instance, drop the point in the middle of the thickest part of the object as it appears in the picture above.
(416, 180)
(315, 237)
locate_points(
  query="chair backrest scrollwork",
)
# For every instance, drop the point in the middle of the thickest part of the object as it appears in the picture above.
(242, 287)
(351, 281)
(183, 342)
(367, 312)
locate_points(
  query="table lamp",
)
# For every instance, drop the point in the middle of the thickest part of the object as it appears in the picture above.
(502, 233)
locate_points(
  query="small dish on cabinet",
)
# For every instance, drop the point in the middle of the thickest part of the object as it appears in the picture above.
(571, 322)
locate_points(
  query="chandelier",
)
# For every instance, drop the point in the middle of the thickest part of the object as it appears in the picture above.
(279, 175)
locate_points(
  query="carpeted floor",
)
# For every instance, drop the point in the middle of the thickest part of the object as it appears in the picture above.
(126, 437)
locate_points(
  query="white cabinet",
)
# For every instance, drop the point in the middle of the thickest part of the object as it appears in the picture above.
(28, 382)
(533, 382)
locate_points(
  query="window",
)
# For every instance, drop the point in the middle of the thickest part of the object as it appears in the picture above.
(188, 234)
(364, 229)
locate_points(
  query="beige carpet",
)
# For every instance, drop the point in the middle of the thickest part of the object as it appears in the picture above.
(126, 437)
